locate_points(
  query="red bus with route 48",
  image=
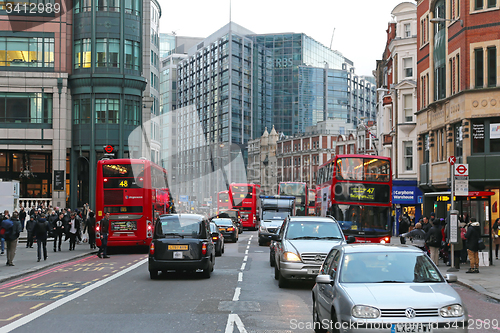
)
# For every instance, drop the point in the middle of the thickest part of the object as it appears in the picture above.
(246, 198)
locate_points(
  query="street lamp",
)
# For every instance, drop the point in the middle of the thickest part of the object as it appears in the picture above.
(441, 20)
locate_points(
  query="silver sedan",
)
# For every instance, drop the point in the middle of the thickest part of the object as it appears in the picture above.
(384, 288)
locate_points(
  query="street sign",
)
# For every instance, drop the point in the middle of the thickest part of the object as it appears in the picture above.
(452, 160)
(461, 170)
(183, 198)
(108, 149)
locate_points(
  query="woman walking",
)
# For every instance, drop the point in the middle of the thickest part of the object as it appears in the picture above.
(472, 235)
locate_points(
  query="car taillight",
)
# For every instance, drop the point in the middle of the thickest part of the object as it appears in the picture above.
(230, 229)
(204, 249)
(152, 248)
(98, 230)
(254, 218)
(385, 240)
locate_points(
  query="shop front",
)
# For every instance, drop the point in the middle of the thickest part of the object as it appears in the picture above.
(406, 199)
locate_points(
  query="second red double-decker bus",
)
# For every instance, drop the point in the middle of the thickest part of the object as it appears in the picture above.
(299, 191)
(134, 192)
(223, 201)
(246, 198)
(356, 190)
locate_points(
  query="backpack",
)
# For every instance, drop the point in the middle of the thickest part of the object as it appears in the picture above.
(432, 241)
(6, 228)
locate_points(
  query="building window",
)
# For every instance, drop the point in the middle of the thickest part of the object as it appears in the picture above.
(478, 67)
(26, 52)
(408, 107)
(408, 67)
(107, 110)
(426, 149)
(458, 142)
(408, 151)
(492, 3)
(82, 111)
(478, 4)
(407, 30)
(478, 136)
(492, 66)
(82, 53)
(108, 5)
(133, 7)
(31, 108)
(107, 52)
(132, 55)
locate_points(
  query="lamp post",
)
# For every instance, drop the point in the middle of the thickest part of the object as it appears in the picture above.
(441, 20)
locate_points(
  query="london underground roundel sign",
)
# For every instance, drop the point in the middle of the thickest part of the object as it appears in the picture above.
(108, 149)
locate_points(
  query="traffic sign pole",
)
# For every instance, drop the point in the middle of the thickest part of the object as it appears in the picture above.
(452, 209)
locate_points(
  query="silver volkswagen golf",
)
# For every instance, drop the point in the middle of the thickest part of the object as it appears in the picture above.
(384, 288)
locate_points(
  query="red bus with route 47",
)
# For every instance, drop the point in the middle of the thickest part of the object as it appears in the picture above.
(246, 198)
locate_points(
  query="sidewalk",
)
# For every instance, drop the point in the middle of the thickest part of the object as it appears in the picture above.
(25, 260)
(486, 282)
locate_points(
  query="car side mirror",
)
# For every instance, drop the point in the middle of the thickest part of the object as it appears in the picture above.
(451, 278)
(324, 279)
(276, 237)
(350, 239)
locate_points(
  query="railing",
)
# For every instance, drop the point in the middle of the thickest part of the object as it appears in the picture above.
(28, 202)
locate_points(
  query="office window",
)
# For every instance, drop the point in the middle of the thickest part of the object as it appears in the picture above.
(407, 30)
(408, 107)
(492, 66)
(492, 3)
(26, 52)
(107, 52)
(132, 55)
(108, 5)
(426, 149)
(408, 155)
(478, 4)
(33, 108)
(408, 67)
(478, 66)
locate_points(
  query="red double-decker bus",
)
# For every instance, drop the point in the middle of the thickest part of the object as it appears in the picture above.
(311, 202)
(134, 192)
(223, 201)
(356, 190)
(299, 191)
(246, 198)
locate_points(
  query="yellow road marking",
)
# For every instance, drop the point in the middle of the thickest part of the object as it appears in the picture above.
(12, 318)
(37, 306)
(57, 296)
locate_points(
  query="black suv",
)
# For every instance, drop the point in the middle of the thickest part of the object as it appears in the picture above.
(181, 242)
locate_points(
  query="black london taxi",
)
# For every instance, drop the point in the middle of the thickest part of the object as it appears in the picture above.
(181, 242)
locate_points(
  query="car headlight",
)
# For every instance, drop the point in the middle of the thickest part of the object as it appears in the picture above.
(363, 311)
(262, 228)
(455, 310)
(290, 256)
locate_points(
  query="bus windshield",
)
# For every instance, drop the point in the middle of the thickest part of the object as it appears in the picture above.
(274, 215)
(370, 219)
(240, 193)
(293, 189)
(363, 169)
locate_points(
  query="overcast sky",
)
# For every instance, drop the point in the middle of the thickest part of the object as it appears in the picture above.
(359, 24)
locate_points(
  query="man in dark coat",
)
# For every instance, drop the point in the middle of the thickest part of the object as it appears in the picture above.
(11, 239)
(104, 224)
(90, 227)
(29, 228)
(426, 226)
(40, 230)
(433, 241)
(404, 226)
(73, 230)
(58, 231)
(22, 218)
(472, 236)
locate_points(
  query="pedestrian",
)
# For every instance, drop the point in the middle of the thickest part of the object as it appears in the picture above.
(5, 216)
(73, 230)
(404, 225)
(22, 218)
(58, 231)
(417, 237)
(473, 235)
(496, 236)
(103, 249)
(426, 225)
(40, 230)
(90, 228)
(433, 241)
(29, 228)
(12, 237)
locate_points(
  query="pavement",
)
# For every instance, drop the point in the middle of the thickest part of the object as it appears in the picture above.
(25, 261)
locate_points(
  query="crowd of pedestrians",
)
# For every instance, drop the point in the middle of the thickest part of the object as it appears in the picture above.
(43, 222)
(433, 237)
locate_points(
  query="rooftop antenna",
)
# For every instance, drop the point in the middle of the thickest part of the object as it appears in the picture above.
(229, 11)
(331, 41)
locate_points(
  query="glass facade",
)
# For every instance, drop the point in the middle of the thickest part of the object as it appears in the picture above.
(32, 108)
(27, 52)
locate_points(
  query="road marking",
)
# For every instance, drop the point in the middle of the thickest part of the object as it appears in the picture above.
(249, 242)
(12, 318)
(234, 319)
(37, 306)
(32, 316)
(240, 277)
(259, 251)
(246, 251)
(245, 258)
(237, 293)
(243, 266)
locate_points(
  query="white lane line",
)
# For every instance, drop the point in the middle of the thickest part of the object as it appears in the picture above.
(240, 277)
(62, 301)
(237, 292)
(232, 319)
(245, 258)
(246, 251)
(243, 266)
(249, 242)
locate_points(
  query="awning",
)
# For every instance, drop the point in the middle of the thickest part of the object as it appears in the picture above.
(471, 194)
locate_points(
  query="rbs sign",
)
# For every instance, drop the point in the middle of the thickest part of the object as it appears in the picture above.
(283, 63)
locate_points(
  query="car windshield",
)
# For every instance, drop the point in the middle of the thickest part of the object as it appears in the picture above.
(213, 227)
(229, 214)
(182, 226)
(390, 267)
(313, 230)
(224, 222)
(274, 215)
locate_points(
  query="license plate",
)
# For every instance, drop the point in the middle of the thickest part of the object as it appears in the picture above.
(313, 271)
(411, 328)
(178, 247)
(178, 255)
(222, 229)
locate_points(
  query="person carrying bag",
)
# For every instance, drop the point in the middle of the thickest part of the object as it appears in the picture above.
(473, 235)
